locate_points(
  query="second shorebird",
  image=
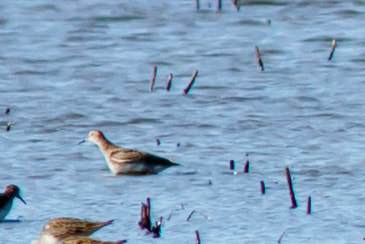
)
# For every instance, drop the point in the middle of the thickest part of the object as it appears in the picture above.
(127, 161)
(6, 200)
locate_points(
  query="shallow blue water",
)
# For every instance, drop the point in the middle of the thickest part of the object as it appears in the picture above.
(73, 66)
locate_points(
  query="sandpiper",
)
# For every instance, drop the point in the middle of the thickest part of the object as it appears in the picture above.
(58, 229)
(6, 200)
(88, 240)
(127, 161)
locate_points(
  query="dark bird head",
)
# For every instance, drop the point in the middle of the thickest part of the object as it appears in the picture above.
(14, 191)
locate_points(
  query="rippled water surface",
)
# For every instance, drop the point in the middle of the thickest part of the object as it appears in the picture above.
(67, 67)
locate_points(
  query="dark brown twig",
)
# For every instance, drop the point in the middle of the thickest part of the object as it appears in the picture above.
(291, 189)
(231, 164)
(259, 60)
(191, 214)
(192, 80)
(263, 190)
(333, 47)
(309, 205)
(280, 238)
(168, 85)
(247, 167)
(153, 77)
(197, 237)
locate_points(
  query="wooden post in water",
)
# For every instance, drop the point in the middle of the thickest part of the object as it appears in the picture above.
(309, 205)
(231, 164)
(262, 184)
(247, 167)
(153, 77)
(334, 44)
(192, 80)
(291, 189)
(259, 60)
(197, 237)
(168, 85)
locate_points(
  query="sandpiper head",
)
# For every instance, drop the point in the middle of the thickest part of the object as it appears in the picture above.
(13, 190)
(94, 136)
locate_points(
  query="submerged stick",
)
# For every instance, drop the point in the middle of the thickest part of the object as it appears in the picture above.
(191, 214)
(7, 110)
(309, 205)
(192, 80)
(291, 190)
(197, 237)
(168, 85)
(247, 167)
(153, 77)
(262, 184)
(334, 44)
(259, 60)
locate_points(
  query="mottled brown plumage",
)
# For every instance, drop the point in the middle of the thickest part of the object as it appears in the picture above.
(127, 161)
(88, 240)
(56, 230)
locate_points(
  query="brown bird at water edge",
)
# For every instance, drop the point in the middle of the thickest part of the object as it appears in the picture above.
(58, 229)
(88, 240)
(6, 200)
(127, 161)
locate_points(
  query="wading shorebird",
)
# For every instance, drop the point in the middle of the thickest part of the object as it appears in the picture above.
(88, 240)
(6, 200)
(55, 231)
(127, 161)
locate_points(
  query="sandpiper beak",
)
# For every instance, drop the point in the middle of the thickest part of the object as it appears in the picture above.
(82, 142)
(21, 199)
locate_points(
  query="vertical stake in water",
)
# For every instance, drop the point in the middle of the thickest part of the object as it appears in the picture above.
(259, 60)
(153, 77)
(334, 44)
(197, 237)
(247, 167)
(231, 164)
(309, 205)
(291, 190)
(168, 85)
(192, 80)
(262, 184)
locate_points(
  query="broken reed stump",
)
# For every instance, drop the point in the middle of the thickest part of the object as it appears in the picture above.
(197, 4)
(263, 190)
(153, 77)
(291, 189)
(7, 110)
(231, 164)
(197, 237)
(158, 142)
(192, 80)
(259, 60)
(191, 214)
(246, 169)
(334, 44)
(145, 222)
(309, 205)
(219, 7)
(168, 85)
